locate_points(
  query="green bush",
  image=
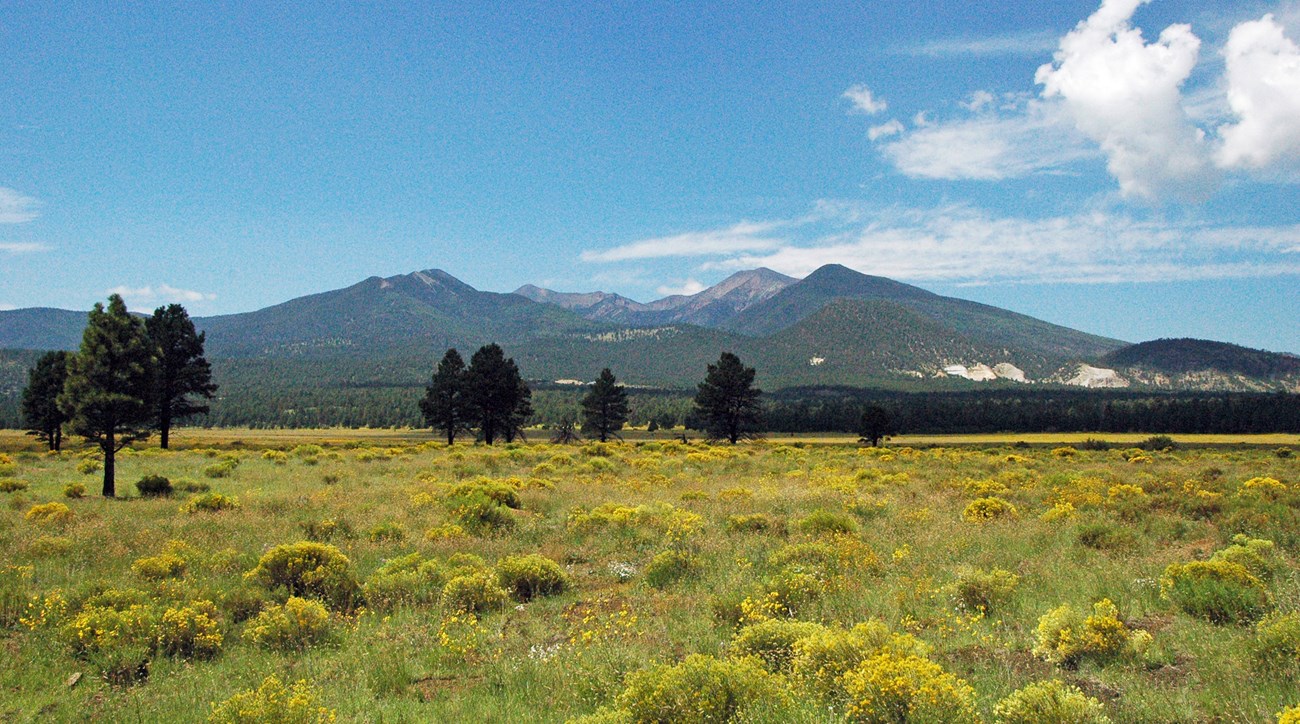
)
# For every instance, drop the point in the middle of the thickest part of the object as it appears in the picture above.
(153, 486)
(499, 491)
(756, 523)
(527, 577)
(1218, 591)
(273, 702)
(479, 513)
(1258, 556)
(1158, 443)
(189, 631)
(309, 570)
(988, 509)
(185, 485)
(773, 641)
(671, 566)
(327, 529)
(824, 522)
(387, 531)
(12, 485)
(980, 590)
(1049, 702)
(474, 592)
(702, 689)
(159, 567)
(410, 580)
(1065, 636)
(74, 490)
(210, 503)
(221, 469)
(243, 602)
(298, 624)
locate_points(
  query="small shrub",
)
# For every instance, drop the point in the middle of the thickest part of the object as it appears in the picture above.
(822, 657)
(89, 466)
(1284, 453)
(756, 523)
(185, 485)
(1104, 536)
(1064, 452)
(12, 485)
(446, 531)
(773, 641)
(670, 566)
(160, 567)
(153, 486)
(51, 546)
(1258, 556)
(242, 603)
(1066, 637)
(221, 469)
(115, 637)
(1158, 443)
(327, 529)
(702, 689)
(298, 624)
(480, 513)
(825, 522)
(474, 592)
(499, 491)
(889, 687)
(1218, 591)
(386, 532)
(980, 590)
(1049, 702)
(210, 503)
(410, 580)
(189, 631)
(1262, 487)
(527, 577)
(1277, 641)
(985, 510)
(1094, 445)
(74, 490)
(311, 570)
(14, 595)
(273, 702)
(50, 514)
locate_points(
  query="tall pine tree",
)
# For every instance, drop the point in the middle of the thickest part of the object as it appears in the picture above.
(182, 370)
(41, 413)
(498, 397)
(604, 407)
(446, 405)
(728, 401)
(109, 388)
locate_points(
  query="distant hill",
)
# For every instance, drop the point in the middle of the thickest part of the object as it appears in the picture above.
(983, 324)
(1203, 364)
(41, 328)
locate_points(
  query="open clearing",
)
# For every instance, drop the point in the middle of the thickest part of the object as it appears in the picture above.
(952, 555)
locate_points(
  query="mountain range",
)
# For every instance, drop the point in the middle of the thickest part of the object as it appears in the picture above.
(834, 327)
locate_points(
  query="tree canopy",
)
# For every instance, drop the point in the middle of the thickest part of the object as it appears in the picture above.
(876, 424)
(499, 400)
(108, 391)
(604, 408)
(446, 403)
(41, 413)
(182, 372)
(727, 401)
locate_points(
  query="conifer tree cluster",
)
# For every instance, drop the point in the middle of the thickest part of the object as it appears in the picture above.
(489, 395)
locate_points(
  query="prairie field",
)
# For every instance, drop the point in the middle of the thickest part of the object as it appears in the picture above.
(384, 577)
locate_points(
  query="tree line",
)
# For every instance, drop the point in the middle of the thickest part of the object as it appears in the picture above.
(129, 379)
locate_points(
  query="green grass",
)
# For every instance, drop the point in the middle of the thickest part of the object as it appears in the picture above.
(562, 656)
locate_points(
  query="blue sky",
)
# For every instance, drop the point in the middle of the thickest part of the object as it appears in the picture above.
(1125, 168)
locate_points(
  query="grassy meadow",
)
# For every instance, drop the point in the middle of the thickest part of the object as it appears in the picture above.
(388, 578)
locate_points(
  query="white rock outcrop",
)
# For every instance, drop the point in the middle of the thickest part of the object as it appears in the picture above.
(1096, 377)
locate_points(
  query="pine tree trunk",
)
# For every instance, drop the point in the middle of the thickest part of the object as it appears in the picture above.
(164, 428)
(109, 453)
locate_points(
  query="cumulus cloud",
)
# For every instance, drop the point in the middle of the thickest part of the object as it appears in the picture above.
(16, 208)
(742, 237)
(1033, 136)
(1126, 93)
(686, 288)
(863, 101)
(161, 294)
(960, 244)
(1263, 76)
(22, 247)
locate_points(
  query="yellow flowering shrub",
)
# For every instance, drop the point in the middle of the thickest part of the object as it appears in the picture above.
(12, 485)
(474, 592)
(1263, 487)
(1258, 556)
(822, 657)
(160, 567)
(1218, 591)
(1277, 640)
(979, 590)
(890, 687)
(298, 624)
(1290, 715)
(273, 702)
(75, 489)
(1063, 510)
(189, 631)
(1049, 702)
(210, 503)
(308, 569)
(1065, 636)
(670, 566)
(986, 510)
(529, 576)
(702, 689)
(50, 515)
(772, 641)
(410, 580)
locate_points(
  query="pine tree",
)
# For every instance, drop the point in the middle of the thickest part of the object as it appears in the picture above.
(499, 399)
(182, 370)
(875, 424)
(41, 413)
(109, 387)
(604, 408)
(446, 403)
(728, 401)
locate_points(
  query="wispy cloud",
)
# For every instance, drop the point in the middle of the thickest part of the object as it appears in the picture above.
(864, 102)
(6, 307)
(22, 247)
(1029, 43)
(160, 294)
(742, 237)
(16, 208)
(686, 288)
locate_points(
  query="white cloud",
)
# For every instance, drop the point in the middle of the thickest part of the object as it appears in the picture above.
(686, 288)
(1032, 43)
(884, 130)
(22, 247)
(16, 208)
(1125, 94)
(1035, 136)
(161, 294)
(979, 100)
(745, 236)
(863, 101)
(6, 307)
(963, 245)
(1263, 76)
